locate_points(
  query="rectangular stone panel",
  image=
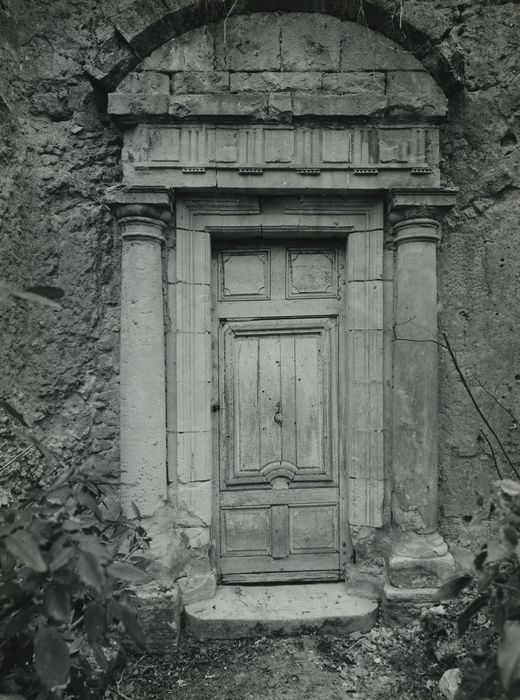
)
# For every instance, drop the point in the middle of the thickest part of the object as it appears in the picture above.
(279, 145)
(366, 406)
(244, 275)
(366, 459)
(193, 456)
(336, 146)
(311, 273)
(365, 356)
(365, 502)
(365, 305)
(364, 258)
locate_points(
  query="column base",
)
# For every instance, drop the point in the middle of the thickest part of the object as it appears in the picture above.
(400, 606)
(416, 566)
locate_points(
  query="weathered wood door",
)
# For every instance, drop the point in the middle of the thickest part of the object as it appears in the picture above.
(279, 324)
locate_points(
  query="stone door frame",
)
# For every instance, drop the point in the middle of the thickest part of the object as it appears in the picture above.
(166, 437)
(357, 221)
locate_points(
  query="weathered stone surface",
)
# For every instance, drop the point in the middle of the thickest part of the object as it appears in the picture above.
(148, 82)
(412, 90)
(311, 45)
(359, 83)
(426, 572)
(139, 105)
(192, 51)
(271, 81)
(252, 43)
(363, 49)
(254, 611)
(338, 105)
(159, 613)
(194, 502)
(218, 104)
(197, 587)
(399, 606)
(208, 81)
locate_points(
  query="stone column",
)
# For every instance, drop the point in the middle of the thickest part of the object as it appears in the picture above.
(418, 558)
(142, 216)
(415, 424)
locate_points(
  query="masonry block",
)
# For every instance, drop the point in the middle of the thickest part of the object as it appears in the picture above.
(416, 90)
(270, 81)
(400, 606)
(311, 42)
(216, 104)
(149, 82)
(198, 587)
(358, 83)
(200, 82)
(337, 105)
(248, 42)
(195, 502)
(366, 50)
(159, 613)
(192, 51)
(194, 456)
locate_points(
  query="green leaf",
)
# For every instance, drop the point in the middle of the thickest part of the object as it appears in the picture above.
(100, 656)
(129, 619)
(20, 621)
(94, 621)
(24, 548)
(127, 572)
(90, 571)
(51, 658)
(452, 587)
(57, 601)
(62, 557)
(508, 656)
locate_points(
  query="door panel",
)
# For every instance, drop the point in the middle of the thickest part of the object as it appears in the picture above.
(278, 386)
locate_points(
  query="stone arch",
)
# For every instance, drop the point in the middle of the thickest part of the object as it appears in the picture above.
(135, 32)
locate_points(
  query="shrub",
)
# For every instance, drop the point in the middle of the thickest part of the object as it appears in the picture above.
(66, 567)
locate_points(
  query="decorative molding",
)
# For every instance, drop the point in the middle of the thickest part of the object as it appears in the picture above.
(255, 149)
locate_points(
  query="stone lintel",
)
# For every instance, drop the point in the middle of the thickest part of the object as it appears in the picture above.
(420, 203)
(141, 203)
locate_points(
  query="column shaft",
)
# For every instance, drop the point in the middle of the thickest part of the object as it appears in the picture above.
(142, 378)
(415, 413)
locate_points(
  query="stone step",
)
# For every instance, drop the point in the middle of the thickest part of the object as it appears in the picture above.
(254, 611)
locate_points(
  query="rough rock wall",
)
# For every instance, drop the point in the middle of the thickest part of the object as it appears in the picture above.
(58, 154)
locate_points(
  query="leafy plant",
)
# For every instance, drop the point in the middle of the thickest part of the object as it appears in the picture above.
(66, 568)
(495, 664)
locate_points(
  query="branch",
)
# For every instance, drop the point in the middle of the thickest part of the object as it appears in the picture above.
(477, 407)
(481, 432)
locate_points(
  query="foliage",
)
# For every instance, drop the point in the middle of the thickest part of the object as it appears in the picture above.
(66, 567)
(497, 574)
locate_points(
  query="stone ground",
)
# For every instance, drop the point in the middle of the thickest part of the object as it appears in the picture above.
(403, 664)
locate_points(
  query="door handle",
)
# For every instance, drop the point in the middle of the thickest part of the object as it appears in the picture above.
(278, 416)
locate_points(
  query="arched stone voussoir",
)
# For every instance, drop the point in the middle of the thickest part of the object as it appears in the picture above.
(147, 24)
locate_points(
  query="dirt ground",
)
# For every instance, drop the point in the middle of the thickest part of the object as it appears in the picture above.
(383, 664)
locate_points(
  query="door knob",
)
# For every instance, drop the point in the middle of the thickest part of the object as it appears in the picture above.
(278, 416)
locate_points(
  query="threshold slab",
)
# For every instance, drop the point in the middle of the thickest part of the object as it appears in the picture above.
(255, 611)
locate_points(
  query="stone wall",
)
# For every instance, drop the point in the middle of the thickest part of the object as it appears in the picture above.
(59, 153)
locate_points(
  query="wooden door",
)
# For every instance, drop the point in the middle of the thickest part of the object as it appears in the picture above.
(279, 324)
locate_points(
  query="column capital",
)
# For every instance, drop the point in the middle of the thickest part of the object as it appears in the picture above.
(141, 204)
(423, 229)
(419, 204)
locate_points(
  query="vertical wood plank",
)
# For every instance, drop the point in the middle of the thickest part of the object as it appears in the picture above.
(279, 531)
(246, 418)
(308, 390)
(288, 391)
(269, 398)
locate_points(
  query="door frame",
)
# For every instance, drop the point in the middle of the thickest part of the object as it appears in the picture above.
(190, 386)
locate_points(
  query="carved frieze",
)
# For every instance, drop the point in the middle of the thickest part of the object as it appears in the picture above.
(259, 153)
